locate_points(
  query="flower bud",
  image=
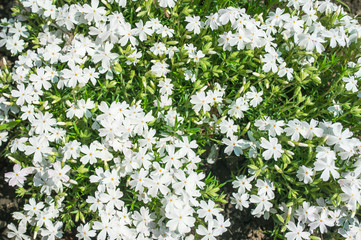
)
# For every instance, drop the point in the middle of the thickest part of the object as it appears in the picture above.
(73, 181)
(290, 152)
(12, 159)
(338, 11)
(278, 169)
(302, 144)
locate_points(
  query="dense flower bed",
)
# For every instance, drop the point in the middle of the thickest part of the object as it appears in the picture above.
(113, 106)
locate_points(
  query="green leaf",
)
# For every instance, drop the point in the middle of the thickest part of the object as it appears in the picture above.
(280, 218)
(82, 169)
(9, 125)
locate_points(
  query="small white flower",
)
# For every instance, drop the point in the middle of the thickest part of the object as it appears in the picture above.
(272, 148)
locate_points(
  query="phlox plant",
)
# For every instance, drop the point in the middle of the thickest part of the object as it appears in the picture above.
(114, 108)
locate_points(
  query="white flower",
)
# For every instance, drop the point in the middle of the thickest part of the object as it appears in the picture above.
(23, 94)
(160, 69)
(263, 204)
(143, 220)
(310, 129)
(3, 137)
(225, 40)
(197, 56)
(327, 166)
(286, 71)
(240, 200)
(15, 45)
(94, 12)
(272, 148)
(165, 31)
(158, 48)
(242, 183)
(296, 232)
(167, 3)
(59, 173)
(144, 30)
(18, 176)
(207, 210)
(254, 96)
(306, 212)
(265, 188)
(335, 109)
(188, 74)
(200, 100)
(294, 129)
(352, 196)
(180, 219)
(233, 144)
(305, 174)
(33, 208)
(105, 226)
(238, 107)
(166, 86)
(351, 83)
(209, 233)
(212, 21)
(228, 127)
(17, 234)
(52, 231)
(105, 55)
(194, 24)
(322, 221)
(84, 232)
(275, 127)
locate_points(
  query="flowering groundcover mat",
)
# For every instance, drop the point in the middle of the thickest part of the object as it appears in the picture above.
(113, 108)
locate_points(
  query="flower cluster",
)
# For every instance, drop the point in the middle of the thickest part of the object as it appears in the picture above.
(324, 163)
(113, 107)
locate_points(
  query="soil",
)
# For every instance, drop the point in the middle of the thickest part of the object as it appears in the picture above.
(8, 201)
(243, 225)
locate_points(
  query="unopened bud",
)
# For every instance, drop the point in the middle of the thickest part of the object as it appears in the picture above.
(290, 152)
(36, 232)
(338, 10)
(278, 169)
(302, 144)
(315, 5)
(12, 159)
(289, 213)
(203, 88)
(45, 105)
(4, 62)
(261, 18)
(285, 37)
(73, 182)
